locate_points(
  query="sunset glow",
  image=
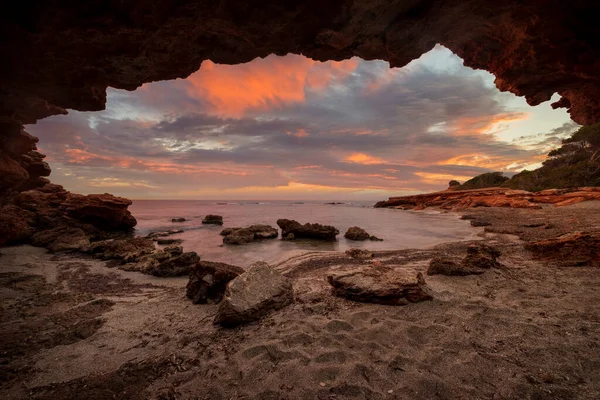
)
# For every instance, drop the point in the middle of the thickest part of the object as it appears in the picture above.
(291, 127)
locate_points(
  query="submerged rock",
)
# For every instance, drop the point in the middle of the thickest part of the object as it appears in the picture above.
(178, 220)
(168, 241)
(307, 231)
(208, 281)
(254, 294)
(382, 286)
(249, 234)
(213, 219)
(228, 231)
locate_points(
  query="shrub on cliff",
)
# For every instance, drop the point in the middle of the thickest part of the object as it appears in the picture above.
(489, 179)
(576, 163)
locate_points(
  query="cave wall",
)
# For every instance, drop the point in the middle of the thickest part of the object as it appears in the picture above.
(61, 54)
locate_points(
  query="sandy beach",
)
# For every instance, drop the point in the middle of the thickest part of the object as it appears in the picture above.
(72, 328)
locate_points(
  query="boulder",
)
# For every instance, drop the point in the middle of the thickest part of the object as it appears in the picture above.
(356, 233)
(64, 238)
(208, 281)
(392, 286)
(254, 294)
(307, 231)
(213, 219)
(249, 234)
(178, 220)
(480, 222)
(104, 211)
(571, 249)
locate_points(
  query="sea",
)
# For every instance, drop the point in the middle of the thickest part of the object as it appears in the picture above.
(399, 229)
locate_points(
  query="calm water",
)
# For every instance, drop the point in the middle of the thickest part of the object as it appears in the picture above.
(399, 229)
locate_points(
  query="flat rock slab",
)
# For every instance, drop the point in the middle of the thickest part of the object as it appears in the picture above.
(253, 295)
(208, 281)
(392, 286)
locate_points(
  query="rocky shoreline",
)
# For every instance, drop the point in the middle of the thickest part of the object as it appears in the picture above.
(149, 342)
(458, 200)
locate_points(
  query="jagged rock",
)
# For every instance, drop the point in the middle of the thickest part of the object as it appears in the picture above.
(571, 249)
(11, 171)
(104, 211)
(178, 220)
(307, 231)
(254, 294)
(250, 234)
(213, 219)
(289, 236)
(208, 281)
(392, 286)
(445, 266)
(359, 253)
(127, 250)
(63, 238)
(16, 224)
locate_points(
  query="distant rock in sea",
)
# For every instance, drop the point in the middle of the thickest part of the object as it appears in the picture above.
(213, 219)
(306, 231)
(249, 234)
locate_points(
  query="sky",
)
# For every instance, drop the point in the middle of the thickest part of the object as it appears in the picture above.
(293, 128)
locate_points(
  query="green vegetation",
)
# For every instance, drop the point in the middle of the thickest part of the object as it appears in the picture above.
(489, 179)
(576, 163)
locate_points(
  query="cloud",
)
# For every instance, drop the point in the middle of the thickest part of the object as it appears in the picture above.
(293, 126)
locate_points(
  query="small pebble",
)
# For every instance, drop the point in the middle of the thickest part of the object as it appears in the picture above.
(322, 384)
(391, 391)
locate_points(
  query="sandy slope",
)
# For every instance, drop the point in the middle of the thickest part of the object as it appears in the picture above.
(72, 328)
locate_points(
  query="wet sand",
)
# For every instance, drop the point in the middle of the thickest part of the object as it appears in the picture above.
(73, 328)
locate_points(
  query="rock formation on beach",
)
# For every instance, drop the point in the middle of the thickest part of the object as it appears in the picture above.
(306, 231)
(491, 197)
(254, 294)
(479, 258)
(249, 234)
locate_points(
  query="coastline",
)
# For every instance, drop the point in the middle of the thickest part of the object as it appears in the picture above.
(528, 329)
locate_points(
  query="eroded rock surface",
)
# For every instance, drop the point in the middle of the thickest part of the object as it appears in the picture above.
(254, 294)
(479, 258)
(572, 249)
(306, 231)
(385, 285)
(208, 281)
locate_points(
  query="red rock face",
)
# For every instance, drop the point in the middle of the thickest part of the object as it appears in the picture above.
(64, 54)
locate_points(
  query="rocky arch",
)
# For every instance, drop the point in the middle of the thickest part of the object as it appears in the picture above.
(61, 55)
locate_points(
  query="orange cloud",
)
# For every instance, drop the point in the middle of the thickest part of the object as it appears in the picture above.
(300, 133)
(362, 158)
(487, 124)
(264, 83)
